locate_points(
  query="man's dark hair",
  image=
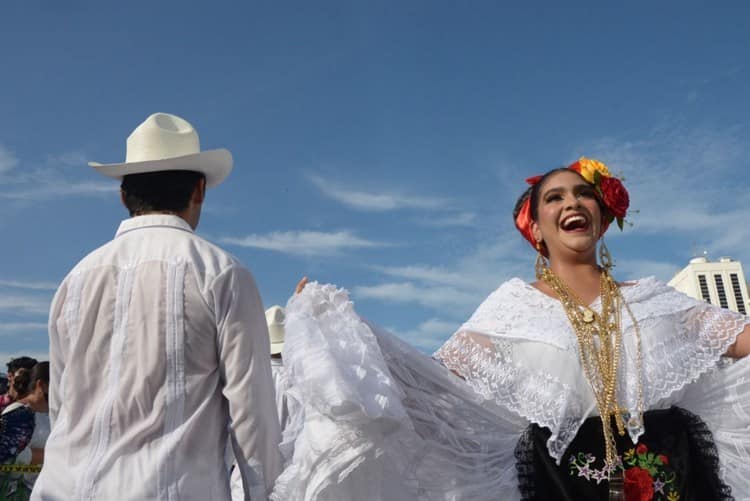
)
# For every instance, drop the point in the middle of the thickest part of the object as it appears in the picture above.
(20, 363)
(159, 191)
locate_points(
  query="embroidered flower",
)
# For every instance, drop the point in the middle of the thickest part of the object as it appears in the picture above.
(648, 476)
(639, 486)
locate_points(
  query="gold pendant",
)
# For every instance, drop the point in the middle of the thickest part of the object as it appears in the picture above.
(588, 315)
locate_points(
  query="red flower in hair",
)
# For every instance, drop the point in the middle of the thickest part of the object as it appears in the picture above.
(614, 196)
(641, 449)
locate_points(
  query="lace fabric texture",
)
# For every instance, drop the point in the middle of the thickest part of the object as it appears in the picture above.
(519, 350)
(371, 416)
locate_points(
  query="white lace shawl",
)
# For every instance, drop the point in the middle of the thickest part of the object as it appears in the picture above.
(518, 349)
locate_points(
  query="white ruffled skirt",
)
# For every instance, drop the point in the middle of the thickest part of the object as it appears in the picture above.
(373, 418)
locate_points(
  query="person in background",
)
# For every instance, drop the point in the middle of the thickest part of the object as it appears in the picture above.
(275, 322)
(38, 401)
(18, 426)
(158, 343)
(20, 386)
(13, 366)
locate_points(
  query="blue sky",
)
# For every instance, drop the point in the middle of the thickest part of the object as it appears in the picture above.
(378, 145)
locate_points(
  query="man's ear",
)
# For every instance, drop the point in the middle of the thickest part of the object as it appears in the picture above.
(199, 192)
(122, 198)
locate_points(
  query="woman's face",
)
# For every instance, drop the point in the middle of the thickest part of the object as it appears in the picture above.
(568, 217)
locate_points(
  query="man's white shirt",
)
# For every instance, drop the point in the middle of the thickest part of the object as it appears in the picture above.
(158, 340)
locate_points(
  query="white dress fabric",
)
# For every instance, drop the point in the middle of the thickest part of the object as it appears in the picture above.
(373, 418)
(158, 343)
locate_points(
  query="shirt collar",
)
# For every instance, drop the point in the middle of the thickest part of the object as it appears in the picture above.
(153, 220)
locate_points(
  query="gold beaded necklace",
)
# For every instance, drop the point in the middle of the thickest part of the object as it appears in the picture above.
(600, 341)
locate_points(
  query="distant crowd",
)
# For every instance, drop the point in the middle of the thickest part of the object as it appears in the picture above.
(24, 426)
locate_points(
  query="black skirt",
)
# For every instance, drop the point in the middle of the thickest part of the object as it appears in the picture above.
(674, 460)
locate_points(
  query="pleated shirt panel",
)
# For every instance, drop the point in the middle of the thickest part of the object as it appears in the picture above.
(153, 338)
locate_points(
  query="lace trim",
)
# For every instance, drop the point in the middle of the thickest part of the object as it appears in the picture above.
(682, 339)
(707, 454)
(494, 372)
(701, 337)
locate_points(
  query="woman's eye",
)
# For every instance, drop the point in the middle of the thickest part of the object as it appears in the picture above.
(552, 198)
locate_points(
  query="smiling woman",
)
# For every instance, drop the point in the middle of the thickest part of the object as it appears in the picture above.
(574, 387)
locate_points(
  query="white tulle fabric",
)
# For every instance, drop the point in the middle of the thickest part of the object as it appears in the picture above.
(371, 416)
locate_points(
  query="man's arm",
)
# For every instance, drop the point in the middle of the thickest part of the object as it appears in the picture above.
(56, 328)
(244, 361)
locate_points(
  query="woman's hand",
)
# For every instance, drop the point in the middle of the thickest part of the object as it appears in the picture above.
(741, 347)
(300, 285)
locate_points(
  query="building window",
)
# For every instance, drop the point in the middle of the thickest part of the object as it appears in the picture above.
(738, 293)
(704, 288)
(722, 293)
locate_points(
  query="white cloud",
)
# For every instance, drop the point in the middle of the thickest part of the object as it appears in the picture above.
(428, 335)
(24, 304)
(52, 179)
(631, 269)
(686, 182)
(457, 219)
(47, 286)
(69, 159)
(8, 160)
(13, 328)
(6, 356)
(60, 189)
(377, 202)
(407, 292)
(313, 243)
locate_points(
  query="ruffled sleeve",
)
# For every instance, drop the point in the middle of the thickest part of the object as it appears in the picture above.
(372, 416)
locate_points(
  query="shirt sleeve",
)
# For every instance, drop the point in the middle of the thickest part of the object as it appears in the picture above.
(56, 329)
(244, 360)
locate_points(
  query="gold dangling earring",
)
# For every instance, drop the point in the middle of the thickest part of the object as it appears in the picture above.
(605, 258)
(541, 265)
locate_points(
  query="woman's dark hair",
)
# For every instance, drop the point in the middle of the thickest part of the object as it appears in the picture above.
(20, 363)
(40, 372)
(532, 192)
(21, 382)
(159, 191)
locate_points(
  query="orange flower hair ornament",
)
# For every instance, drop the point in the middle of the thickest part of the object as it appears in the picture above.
(611, 192)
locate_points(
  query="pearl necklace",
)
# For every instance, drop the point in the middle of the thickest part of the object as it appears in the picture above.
(600, 341)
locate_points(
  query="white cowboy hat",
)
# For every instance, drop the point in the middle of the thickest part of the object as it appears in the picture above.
(168, 142)
(275, 319)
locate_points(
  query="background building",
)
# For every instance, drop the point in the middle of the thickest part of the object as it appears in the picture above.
(719, 282)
